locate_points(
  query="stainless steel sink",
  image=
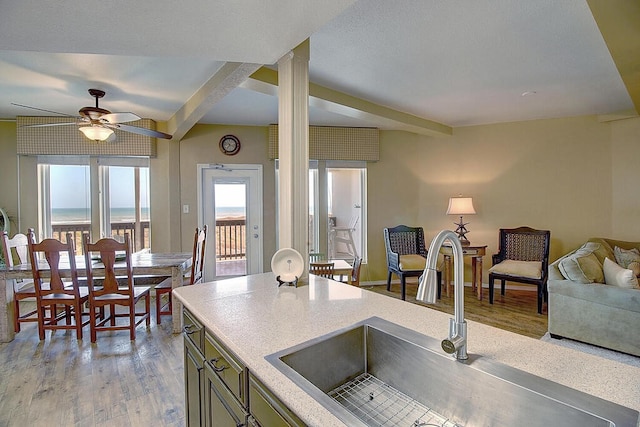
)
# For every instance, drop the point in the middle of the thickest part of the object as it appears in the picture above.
(379, 373)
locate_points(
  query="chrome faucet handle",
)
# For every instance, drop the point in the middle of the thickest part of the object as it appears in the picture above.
(457, 341)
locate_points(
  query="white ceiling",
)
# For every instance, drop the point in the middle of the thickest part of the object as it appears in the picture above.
(453, 62)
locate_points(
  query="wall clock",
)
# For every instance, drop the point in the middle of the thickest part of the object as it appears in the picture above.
(229, 145)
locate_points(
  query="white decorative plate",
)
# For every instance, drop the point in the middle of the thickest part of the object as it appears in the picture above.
(288, 264)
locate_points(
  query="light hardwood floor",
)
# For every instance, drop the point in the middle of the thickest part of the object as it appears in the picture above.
(64, 382)
(115, 382)
(516, 311)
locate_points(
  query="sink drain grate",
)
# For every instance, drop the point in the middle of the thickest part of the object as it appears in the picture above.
(378, 404)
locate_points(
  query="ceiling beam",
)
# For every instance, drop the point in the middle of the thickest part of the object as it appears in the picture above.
(265, 80)
(226, 78)
(619, 24)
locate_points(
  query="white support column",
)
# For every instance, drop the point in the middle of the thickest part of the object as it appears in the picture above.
(293, 137)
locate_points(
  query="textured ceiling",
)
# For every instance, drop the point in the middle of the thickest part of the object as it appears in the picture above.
(455, 63)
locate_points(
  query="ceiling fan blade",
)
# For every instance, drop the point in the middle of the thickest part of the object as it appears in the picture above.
(49, 124)
(42, 109)
(142, 131)
(111, 138)
(114, 118)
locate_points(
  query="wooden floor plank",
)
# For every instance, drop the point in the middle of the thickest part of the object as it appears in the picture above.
(516, 311)
(115, 382)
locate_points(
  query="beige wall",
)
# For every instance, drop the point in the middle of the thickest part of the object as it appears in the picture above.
(576, 177)
(200, 146)
(548, 174)
(8, 172)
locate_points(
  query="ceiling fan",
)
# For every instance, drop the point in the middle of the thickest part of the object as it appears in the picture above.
(98, 124)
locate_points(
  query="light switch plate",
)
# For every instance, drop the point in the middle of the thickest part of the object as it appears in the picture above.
(185, 209)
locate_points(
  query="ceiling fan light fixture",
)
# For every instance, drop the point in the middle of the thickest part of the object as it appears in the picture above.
(96, 133)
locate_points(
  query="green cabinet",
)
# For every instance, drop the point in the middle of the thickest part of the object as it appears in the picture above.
(193, 370)
(221, 407)
(266, 410)
(220, 391)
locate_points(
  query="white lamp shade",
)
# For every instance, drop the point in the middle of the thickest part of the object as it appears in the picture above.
(96, 133)
(461, 206)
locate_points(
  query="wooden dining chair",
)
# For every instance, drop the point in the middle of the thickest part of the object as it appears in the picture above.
(52, 293)
(23, 290)
(354, 277)
(316, 256)
(110, 293)
(322, 269)
(197, 268)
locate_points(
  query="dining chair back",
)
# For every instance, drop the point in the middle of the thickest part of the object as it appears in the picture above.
(316, 256)
(47, 259)
(18, 248)
(197, 266)
(322, 269)
(354, 278)
(197, 270)
(113, 290)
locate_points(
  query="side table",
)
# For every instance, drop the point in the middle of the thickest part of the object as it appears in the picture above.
(476, 253)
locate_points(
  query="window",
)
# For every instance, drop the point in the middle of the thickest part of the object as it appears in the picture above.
(102, 197)
(337, 190)
(346, 204)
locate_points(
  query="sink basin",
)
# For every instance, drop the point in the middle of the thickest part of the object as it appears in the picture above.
(379, 373)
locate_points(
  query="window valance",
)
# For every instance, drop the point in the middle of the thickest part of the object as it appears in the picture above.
(67, 140)
(335, 143)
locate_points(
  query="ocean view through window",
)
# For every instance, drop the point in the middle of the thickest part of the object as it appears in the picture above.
(68, 192)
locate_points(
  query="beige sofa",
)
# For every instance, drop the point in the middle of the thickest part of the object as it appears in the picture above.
(582, 307)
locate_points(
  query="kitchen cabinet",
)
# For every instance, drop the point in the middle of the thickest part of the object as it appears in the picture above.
(266, 410)
(219, 389)
(193, 370)
(225, 386)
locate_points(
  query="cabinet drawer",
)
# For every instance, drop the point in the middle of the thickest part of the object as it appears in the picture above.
(470, 251)
(192, 330)
(266, 409)
(227, 367)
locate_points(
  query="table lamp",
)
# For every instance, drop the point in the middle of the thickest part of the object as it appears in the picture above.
(461, 206)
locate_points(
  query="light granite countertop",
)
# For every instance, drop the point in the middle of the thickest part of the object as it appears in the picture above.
(254, 317)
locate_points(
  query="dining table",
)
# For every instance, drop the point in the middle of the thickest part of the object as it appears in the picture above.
(341, 267)
(144, 264)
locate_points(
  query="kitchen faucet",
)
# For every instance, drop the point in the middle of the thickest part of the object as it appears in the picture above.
(456, 343)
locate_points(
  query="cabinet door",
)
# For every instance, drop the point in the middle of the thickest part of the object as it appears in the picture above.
(194, 380)
(266, 410)
(221, 407)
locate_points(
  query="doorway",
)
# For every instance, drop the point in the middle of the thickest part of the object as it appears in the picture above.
(230, 204)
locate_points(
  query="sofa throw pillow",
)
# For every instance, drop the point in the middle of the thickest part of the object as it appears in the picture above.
(530, 269)
(635, 267)
(582, 267)
(600, 249)
(624, 257)
(617, 276)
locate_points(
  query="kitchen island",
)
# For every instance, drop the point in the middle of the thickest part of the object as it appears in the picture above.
(253, 318)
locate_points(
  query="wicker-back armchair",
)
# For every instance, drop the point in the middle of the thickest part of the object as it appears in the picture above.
(523, 257)
(406, 254)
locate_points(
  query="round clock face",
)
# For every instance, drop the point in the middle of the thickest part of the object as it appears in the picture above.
(229, 145)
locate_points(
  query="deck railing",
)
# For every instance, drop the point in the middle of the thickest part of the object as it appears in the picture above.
(117, 229)
(230, 239)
